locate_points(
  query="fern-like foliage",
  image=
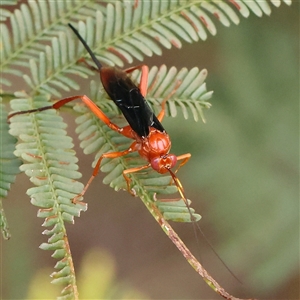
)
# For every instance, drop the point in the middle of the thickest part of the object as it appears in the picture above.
(122, 31)
(34, 23)
(51, 165)
(190, 96)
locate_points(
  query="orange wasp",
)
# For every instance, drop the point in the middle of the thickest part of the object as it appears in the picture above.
(151, 140)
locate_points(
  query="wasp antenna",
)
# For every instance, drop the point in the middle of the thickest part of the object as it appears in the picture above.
(181, 192)
(91, 53)
(218, 256)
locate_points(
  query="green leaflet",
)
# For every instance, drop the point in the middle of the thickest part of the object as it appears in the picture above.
(177, 211)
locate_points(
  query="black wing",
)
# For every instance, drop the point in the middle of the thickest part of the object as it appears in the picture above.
(126, 95)
(130, 101)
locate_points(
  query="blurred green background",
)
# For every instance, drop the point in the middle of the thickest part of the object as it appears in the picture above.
(243, 179)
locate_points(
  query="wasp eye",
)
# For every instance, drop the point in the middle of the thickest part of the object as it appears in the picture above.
(172, 159)
(155, 163)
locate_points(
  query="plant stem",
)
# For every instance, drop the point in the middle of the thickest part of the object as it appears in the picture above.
(169, 231)
(70, 261)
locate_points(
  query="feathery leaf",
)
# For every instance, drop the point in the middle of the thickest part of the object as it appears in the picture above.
(132, 32)
(51, 165)
(33, 24)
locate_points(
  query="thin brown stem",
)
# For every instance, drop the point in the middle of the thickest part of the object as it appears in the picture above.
(186, 252)
(71, 265)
